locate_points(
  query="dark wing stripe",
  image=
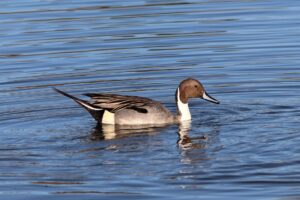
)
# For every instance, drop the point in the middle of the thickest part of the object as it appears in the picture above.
(140, 110)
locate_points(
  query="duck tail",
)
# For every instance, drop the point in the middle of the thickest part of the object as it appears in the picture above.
(96, 112)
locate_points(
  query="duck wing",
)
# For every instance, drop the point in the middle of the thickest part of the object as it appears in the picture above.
(114, 102)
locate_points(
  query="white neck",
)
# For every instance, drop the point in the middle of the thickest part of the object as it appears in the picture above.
(183, 108)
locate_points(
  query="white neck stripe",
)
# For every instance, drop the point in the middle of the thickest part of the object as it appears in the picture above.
(183, 109)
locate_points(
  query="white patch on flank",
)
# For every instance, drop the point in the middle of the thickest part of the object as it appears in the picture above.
(208, 98)
(108, 117)
(183, 108)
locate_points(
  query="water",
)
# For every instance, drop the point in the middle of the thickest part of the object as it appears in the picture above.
(246, 53)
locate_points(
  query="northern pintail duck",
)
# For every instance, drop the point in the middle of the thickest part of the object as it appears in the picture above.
(134, 110)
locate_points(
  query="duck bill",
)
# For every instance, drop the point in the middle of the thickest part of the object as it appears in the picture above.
(207, 97)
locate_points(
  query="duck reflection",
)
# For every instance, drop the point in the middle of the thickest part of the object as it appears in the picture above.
(194, 150)
(193, 144)
(109, 132)
(184, 141)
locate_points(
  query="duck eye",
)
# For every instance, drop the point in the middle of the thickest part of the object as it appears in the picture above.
(196, 86)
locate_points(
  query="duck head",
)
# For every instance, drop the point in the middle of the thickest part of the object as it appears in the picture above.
(192, 88)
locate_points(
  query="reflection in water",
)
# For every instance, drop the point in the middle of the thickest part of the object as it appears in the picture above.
(109, 132)
(184, 140)
(194, 146)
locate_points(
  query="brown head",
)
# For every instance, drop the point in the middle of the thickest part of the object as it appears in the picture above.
(192, 88)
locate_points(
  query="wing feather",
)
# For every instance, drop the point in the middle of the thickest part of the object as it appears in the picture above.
(114, 102)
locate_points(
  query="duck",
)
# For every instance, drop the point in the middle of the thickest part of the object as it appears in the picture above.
(115, 109)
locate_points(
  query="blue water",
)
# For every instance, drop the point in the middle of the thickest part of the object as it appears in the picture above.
(246, 54)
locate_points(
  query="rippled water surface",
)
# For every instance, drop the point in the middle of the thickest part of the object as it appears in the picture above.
(246, 53)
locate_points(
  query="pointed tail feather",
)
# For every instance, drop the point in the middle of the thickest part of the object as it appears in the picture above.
(97, 113)
(81, 102)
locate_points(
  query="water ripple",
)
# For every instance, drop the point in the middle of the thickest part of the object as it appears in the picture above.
(246, 53)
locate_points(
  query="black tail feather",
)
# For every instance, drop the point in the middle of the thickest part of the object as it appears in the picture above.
(97, 113)
(68, 95)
